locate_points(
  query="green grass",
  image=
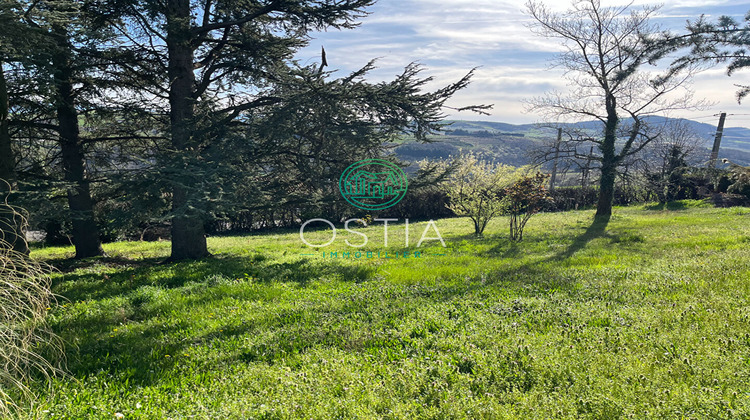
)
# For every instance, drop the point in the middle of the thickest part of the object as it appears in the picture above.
(647, 317)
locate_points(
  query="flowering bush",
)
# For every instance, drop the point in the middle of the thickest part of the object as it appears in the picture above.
(476, 189)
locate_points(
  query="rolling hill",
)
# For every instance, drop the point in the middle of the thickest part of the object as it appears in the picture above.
(511, 143)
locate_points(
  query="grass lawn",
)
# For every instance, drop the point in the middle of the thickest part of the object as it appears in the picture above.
(648, 317)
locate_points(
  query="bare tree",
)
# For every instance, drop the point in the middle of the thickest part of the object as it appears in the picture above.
(677, 135)
(604, 51)
(669, 158)
(574, 152)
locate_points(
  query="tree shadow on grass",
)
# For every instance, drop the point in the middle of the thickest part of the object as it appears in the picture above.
(147, 353)
(596, 230)
(121, 277)
(67, 265)
(130, 275)
(505, 249)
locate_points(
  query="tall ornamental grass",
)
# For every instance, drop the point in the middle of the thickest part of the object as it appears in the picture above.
(27, 346)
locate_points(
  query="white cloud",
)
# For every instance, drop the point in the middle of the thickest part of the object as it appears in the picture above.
(452, 36)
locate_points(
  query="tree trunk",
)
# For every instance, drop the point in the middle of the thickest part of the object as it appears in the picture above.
(606, 190)
(12, 224)
(85, 231)
(609, 161)
(188, 233)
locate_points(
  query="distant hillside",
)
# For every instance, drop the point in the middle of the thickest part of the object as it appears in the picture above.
(511, 143)
(734, 137)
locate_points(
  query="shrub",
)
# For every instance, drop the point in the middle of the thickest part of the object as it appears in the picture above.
(572, 198)
(476, 189)
(426, 202)
(525, 198)
(740, 177)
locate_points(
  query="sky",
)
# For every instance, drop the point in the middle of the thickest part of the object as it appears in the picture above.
(450, 37)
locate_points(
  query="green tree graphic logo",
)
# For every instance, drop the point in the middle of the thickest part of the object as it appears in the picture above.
(373, 184)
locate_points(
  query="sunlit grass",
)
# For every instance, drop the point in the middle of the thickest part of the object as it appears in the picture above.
(646, 318)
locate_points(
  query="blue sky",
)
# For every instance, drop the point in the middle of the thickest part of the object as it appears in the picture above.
(449, 37)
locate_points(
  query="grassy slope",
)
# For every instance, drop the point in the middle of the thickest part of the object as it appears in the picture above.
(647, 319)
